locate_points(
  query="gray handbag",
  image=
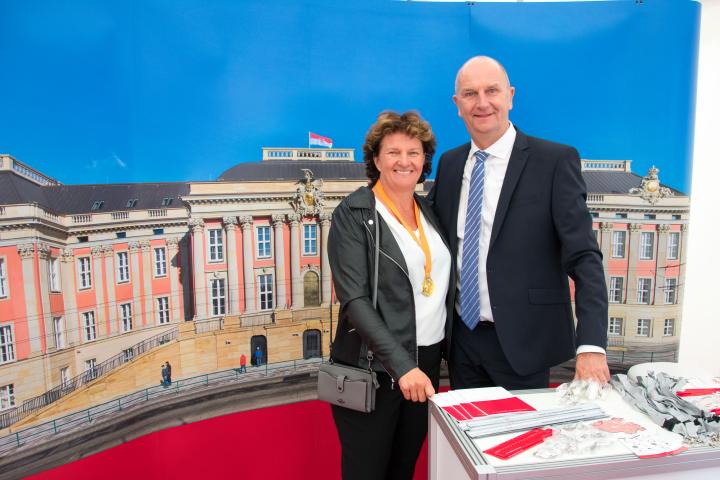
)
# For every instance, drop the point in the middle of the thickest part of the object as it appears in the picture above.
(346, 386)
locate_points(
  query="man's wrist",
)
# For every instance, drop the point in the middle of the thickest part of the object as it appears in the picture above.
(589, 349)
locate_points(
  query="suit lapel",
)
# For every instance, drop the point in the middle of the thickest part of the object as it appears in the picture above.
(454, 176)
(518, 159)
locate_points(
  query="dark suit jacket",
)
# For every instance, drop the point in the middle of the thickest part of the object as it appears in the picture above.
(542, 233)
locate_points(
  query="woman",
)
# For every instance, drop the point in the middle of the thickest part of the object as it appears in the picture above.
(405, 333)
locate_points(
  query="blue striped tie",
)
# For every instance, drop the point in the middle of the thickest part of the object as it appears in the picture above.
(470, 286)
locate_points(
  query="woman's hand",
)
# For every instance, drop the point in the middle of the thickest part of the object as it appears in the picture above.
(416, 386)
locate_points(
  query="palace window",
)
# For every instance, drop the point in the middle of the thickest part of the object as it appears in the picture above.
(160, 262)
(90, 369)
(3, 279)
(669, 327)
(615, 293)
(126, 317)
(310, 239)
(217, 296)
(89, 327)
(65, 376)
(215, 243)
(643, 327)
(643, 290)
(263, 242)
(265, 283)
(647, 239)
(163, 310)
(7, 396)
(673, 245)
(84, 272)
(54, 274)
(7, 346)
(618, 243)
(670, 291)
(615, 325)
(59, 329)
(123, 267)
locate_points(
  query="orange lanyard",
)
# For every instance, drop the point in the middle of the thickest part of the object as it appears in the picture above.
(428, 285)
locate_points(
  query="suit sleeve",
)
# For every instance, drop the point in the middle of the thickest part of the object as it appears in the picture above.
(347, 252)
(580, 255)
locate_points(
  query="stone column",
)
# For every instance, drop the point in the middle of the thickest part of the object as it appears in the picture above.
(660, 264)
(111, 278)
(295, 279)
(173, 271)
(198, 241)
(683, 259)
(67, 268)
(633, 247)
(43, 259)
(134, 249)
(185, 276)
(98, 280)
(281, 298)
(32, 312)
(606, 229)
(326, 281)
(233, 290)
(147, 263)
(248, 262)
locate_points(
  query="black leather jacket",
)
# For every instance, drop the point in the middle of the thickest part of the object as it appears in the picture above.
(389, 331)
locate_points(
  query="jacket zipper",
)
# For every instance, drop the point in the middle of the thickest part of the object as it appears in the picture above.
(392, 379)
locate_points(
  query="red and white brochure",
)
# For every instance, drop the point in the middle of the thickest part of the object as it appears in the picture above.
(472, 403)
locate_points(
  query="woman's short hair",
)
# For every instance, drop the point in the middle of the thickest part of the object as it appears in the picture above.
(389, 122)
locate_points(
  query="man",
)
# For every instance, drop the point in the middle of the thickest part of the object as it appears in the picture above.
(513, 208)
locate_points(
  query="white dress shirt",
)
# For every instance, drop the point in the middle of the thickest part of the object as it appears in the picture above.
(430, 311)
(495, 167)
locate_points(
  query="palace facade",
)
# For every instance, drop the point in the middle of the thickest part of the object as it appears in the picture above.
(88, 271)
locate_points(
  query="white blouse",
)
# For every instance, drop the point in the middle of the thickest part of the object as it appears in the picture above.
(430, 312)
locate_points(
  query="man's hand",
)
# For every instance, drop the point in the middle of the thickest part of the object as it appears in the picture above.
(416, 386)
(592, 366)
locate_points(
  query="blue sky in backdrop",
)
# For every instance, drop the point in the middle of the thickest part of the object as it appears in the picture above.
(95, 91)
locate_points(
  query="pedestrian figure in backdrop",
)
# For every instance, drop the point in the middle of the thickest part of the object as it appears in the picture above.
(258, 356)
(164, 375)
(243, 362)
(169, 372)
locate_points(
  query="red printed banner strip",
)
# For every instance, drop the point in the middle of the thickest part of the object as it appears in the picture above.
(519, 444)
(695, 392)
(503, 405)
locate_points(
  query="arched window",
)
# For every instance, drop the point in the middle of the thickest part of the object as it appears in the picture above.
(311, 288)
(311, 344)
(258, 343)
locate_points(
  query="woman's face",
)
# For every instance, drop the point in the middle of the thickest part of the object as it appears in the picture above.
(400, 162)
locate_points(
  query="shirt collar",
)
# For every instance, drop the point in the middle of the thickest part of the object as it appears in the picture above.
(502, 148)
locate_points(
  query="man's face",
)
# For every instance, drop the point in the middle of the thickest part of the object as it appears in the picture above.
(484, 99)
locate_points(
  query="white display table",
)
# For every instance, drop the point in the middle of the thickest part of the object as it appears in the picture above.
(453, 455)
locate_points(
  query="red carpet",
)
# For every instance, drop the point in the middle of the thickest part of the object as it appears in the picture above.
(296, 441)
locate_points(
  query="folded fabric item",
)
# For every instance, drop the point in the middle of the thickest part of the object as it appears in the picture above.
(655, 395)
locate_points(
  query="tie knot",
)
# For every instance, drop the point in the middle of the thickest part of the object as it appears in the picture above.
(481, 156)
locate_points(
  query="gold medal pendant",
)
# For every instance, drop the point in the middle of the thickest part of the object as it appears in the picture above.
(428, 286)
